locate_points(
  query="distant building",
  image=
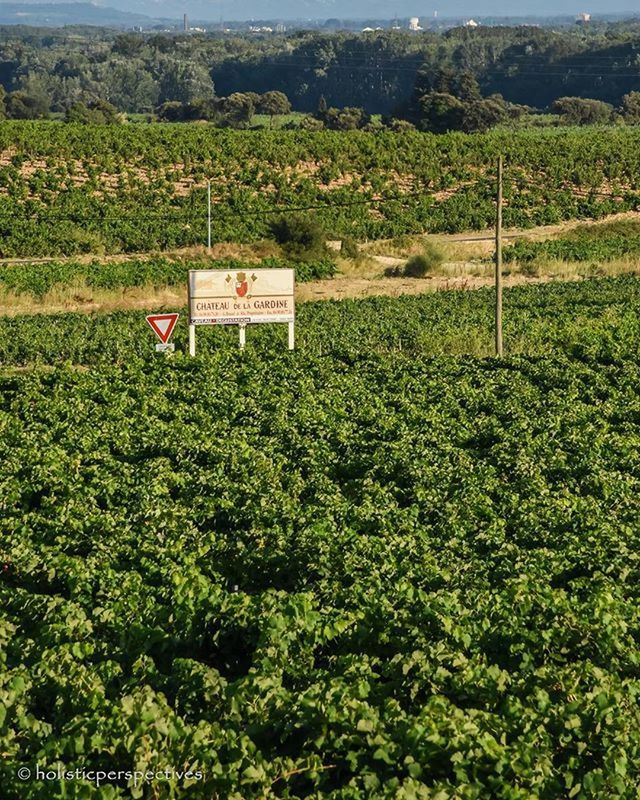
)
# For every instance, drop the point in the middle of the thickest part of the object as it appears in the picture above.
(185, 23)
(414, 24)
(471, 23)
(583, 18)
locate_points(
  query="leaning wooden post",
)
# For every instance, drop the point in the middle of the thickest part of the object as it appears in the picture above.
(498, 260)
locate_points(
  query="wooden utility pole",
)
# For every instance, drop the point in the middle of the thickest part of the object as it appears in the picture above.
(208, 216)
(499, 261)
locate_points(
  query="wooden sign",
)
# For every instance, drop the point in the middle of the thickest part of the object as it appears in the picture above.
(240, 297)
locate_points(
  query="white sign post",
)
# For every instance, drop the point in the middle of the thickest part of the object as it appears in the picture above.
(229, 297)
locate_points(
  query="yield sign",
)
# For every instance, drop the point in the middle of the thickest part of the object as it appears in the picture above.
(163, 325)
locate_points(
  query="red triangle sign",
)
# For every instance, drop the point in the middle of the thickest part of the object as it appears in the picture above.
(163, 325)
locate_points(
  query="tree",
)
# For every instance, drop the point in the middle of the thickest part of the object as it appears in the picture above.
(20, 105)
(346, 119)
(429, 79)
(467, 88)
(399, 125)
(96, 112)
(582, 111)
(203, 108)
(171, 111)
(128, 44)
(481, 115)
(312, 124)
(273, 104)
(255, 97)
(184, 81)
(440, 112)
(130, 87)
(630, 108)
(238, 110)
(321, 113)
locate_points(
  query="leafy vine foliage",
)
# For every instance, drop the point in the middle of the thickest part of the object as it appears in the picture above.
(67, 189)
(37, 278)
(367, 568)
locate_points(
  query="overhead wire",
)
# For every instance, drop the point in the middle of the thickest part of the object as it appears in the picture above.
(188, 215)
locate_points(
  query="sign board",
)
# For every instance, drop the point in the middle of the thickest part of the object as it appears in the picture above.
(166, 348)
(230, 297)
(163, 325)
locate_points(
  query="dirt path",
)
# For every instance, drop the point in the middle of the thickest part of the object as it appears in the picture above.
(543, 231)
(340, 288)
(196, 253)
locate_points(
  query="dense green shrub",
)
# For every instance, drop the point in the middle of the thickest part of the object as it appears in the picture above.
(425, 262)
(300, 235)
(582, 111)
(349, 247)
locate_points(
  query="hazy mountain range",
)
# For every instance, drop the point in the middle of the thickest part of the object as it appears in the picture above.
(133, 12)
(65, 13)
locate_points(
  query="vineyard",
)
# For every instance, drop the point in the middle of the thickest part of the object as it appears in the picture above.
(381, 566)
(36, 279)
(72, 189)
(597, 243)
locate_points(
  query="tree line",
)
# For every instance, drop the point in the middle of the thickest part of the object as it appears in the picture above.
(463, 79)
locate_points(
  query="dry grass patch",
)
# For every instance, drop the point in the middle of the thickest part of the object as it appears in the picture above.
(80, 297)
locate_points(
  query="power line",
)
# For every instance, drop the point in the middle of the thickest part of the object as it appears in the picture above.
(225, 210)
(404, 200)
(498, 68)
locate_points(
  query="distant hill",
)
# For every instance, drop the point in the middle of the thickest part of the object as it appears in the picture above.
(56, 14)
